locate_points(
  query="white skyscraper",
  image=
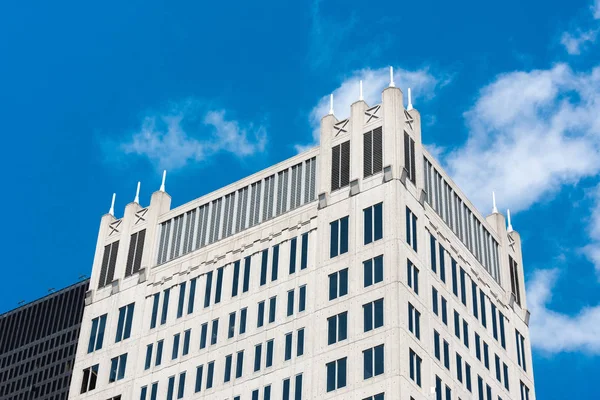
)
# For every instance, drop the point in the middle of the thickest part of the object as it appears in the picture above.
(356, 270)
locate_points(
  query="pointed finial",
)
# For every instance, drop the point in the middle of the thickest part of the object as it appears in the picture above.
(137, 194)
(494, 209)
(392, 84)
(112, 205)
(360, 92)
(410, 107)
(510, 228)
(162, 185)
(331, 104)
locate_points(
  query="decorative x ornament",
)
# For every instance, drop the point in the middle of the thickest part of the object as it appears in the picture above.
(511, 242)
(114, 227)
(140, 216)
(372, 113)
(340, 127)
(409, 119)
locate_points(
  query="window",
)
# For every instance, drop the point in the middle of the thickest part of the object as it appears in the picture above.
(444, 311)
(339, 237)
(373, 362)
(302, 302)
(272, 309)
(373, 223)
(498, 370)
(502, 335)
(373, 315)
(198, 386)
(415, 367)
(483, 319)
(275, 263)
(468, 376)
(340, 166)
(165, 306)
(155, 300)
(267, 393)
(520, 341)
(459, 374)
(208, 290)
(227, 373)
(109, 261)
(436, 345)
(257, 356)
(192, 296)
(246, 285)
(298, 387)
(219, 285)
(411, 229)
(236, 278)
(175, 346)
(293, 245)
(454, 277)
(300, 343)
(203, 334)
(90, 376)
(463, 287)
(210, 374)
(154, 391)
(290, 302)
(159, 349)
(186, 342)
(477, 346)
(239, 364)
(338, 284)
(379, 396)
(372, 152)
(438, 388)
(486, 356)
(446, 355)
(148, 361)
(288, 347)
(117, 368)
(412, 274)
(409, 158)
(505, 369)
(304, 255)
(474, 287)
(456, 324)
(414, 321)
(181, 300)
(514, 280)
(181, 386)
(124, 323)
(466, 333)
(171, 388)
(524, 392)
(337, 328)
(442, 263)
(97, 333)
(336, 374)
(494, 321)
(261, 314)
(373, 271)
(269, 360)
(263, 267)
(231, 330)
(243, 314)
(214, 332)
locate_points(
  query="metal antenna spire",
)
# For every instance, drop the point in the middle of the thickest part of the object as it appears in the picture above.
(392, 84)
(137, 194)
(510, 228)
(112, 205)
(162, 185)
(410, 107)
(360, 92)
(494, 209)
(331, 104)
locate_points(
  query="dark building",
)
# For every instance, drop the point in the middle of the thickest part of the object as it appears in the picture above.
(38, 343)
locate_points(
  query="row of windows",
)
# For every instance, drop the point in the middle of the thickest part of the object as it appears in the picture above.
(124, 325)
(372, 224)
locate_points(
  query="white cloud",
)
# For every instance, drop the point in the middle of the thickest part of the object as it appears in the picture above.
(187, 134)
(575, 43)
(530, 133)
(421, 82)
(554, 332)
(596, 9)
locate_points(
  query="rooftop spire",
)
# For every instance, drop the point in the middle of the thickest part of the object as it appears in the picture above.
(137, 194)
(392, 84)
(410, 107)
(494, 209)
(162, 185)
(360, 92)
(510, 228)
(331, 104)
(112, 205)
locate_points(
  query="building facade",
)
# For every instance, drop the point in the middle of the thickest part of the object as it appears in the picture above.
(355, 270)
(37, 345)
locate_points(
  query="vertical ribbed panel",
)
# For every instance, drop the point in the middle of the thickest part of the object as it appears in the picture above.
(313, 179)
(112, 262)
(190, 223)
(215, 220)
(139, 251)
(104, 266)
(377, 150)
(131, 255)
(345, 164)
(228, 215)
(255, 204)
(268, 196)
(335, 167)
(413, 172)
(202, 226)
(368, 154)
(177, 235)
(282, 191)
(242, 209)
(298, 186)
(293, 187)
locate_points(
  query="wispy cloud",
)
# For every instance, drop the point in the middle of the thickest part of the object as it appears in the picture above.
(554, 332)
(575, 43)
(592, 249)
(188, 132)
(421, 81)
(531, 132)
(596, 9)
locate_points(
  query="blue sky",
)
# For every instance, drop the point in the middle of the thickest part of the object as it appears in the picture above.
(96, 97)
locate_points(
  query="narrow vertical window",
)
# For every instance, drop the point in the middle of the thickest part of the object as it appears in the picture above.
(272, 309)
(214, 332)
(236, 278)
(208, 275)
(263, 267)
(155, 301)
(269, 360)
(181, 301)
(288, 347)
(219, 287)
(411, 229)
(246, 285)
(186, 342)
(239, 364)
(192, 296)
(159, 350)
(260, 319)
(275, 263)
(257, 356)
(304, 254)
(293, 244)
(412, 274)
(203, 335)
(243, 315)
(210, 374)
(290, 302)
(227, 373)
(300, 342)
(302, 299)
